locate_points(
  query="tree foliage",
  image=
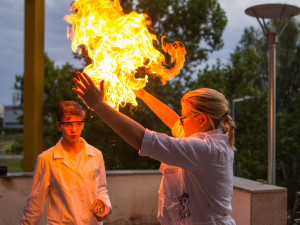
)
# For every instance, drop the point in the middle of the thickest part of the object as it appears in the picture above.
(288, 99)
(199, 24)
(195, 22)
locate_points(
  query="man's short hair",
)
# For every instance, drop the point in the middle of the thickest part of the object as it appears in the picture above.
(69, 108)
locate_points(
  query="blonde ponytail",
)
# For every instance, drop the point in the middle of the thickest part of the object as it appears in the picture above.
(227, 124)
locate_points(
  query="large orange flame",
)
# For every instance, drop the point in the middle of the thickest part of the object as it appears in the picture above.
(119, 44)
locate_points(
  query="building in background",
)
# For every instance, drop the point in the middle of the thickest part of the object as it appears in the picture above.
(1, 111)
(11, 113)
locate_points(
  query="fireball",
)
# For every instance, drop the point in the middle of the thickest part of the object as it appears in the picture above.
(119, 44)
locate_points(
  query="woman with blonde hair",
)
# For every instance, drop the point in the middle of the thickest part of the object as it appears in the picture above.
(197, 164)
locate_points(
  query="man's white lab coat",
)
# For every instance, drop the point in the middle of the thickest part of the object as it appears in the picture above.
(69, 191)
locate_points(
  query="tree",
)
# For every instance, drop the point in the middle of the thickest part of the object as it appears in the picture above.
(288, 93)
(58, 85)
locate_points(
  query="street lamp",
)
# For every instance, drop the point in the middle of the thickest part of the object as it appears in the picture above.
(280, 12)
(233, 118)
(235, 101)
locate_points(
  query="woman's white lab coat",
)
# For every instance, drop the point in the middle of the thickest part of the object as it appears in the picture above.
(197, 179)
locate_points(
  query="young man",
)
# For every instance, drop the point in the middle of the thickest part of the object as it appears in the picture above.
(70, 176)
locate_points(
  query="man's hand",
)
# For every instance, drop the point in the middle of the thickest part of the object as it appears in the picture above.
(106, 214)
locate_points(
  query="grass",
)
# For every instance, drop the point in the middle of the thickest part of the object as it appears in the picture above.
(13, 164)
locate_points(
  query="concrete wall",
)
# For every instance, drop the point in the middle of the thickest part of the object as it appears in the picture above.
(255, 203)
(134, 196)
(134, 199)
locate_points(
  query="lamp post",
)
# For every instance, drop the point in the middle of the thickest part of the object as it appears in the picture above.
(273, 12)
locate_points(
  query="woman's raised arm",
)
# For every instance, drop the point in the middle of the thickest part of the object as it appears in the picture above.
(167, 115)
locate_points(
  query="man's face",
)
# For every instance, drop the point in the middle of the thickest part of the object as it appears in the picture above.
(71, 127)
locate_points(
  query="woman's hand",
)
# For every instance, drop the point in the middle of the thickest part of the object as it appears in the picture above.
(87, 90)
(131, 131)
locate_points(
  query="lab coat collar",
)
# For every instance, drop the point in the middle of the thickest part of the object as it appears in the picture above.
(216, 134)
(88, 149)
(215, 131)
(59, 154)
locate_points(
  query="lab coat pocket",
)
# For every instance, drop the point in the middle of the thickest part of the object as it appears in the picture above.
(96, 176)
(96, 173)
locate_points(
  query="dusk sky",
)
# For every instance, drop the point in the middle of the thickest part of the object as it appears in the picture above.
(58, 47)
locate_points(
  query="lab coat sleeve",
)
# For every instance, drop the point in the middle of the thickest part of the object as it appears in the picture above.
(187, 153)
(102, 192)
(40, 188)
